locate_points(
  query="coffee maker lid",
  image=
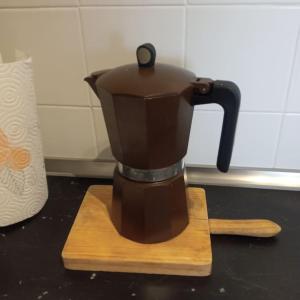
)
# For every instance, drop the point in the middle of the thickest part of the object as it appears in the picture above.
(146, 78)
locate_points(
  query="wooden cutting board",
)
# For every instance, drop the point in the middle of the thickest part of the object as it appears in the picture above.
(94, 244)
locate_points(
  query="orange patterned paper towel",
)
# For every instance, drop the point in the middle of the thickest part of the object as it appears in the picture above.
(23, 186)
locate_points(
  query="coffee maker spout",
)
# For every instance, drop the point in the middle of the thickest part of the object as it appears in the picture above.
(91, 80)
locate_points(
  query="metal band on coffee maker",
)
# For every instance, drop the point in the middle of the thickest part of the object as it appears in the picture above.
(151, 175)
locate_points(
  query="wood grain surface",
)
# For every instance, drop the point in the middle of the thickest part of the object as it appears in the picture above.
(94, 244)
(251, 227)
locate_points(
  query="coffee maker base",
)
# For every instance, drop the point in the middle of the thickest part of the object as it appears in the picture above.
(94, 244)
(149, 212)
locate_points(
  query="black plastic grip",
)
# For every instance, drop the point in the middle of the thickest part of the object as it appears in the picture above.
(226, 94)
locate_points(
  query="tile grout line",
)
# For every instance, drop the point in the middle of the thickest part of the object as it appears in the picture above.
(246, 3)
(185, 3)
(203, 110)
(292, 71)
(245, 111)
(92, 6)
(83, 48)
(54, 7)
(184, 35)
(86, 71)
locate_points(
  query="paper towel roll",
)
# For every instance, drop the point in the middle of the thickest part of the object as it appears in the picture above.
(23, 185)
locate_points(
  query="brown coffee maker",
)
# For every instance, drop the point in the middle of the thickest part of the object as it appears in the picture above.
(148, 109)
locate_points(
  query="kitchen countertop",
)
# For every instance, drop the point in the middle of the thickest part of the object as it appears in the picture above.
(243, 268)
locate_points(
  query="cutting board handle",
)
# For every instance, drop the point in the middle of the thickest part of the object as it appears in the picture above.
(255, 227)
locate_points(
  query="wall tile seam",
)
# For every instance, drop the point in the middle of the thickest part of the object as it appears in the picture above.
(243, 4)
(95, 131)
(95, 141)
(41, 8)
(63, 106)
(2, 8)
(292, 114)
(84, 52)
(295, 114)
(50, 105)
(184, 38)
(136, 5)
(36, 7)
(292, 69)
(107, 7)
(290, 76)
(245, 111)
(205, 4)
(77, 158)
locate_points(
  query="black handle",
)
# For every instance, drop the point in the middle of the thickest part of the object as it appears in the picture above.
(226, 94)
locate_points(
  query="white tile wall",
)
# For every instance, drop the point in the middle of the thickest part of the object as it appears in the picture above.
(125, 28)
(255, 141)
(288, 156)
(67, 132)
(204, 138)
(52, 38)
(37, 3)
(252, 44)
(131, 2)
(103, 145)
(293, 104)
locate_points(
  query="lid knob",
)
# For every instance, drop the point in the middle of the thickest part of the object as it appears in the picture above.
(146, 55)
